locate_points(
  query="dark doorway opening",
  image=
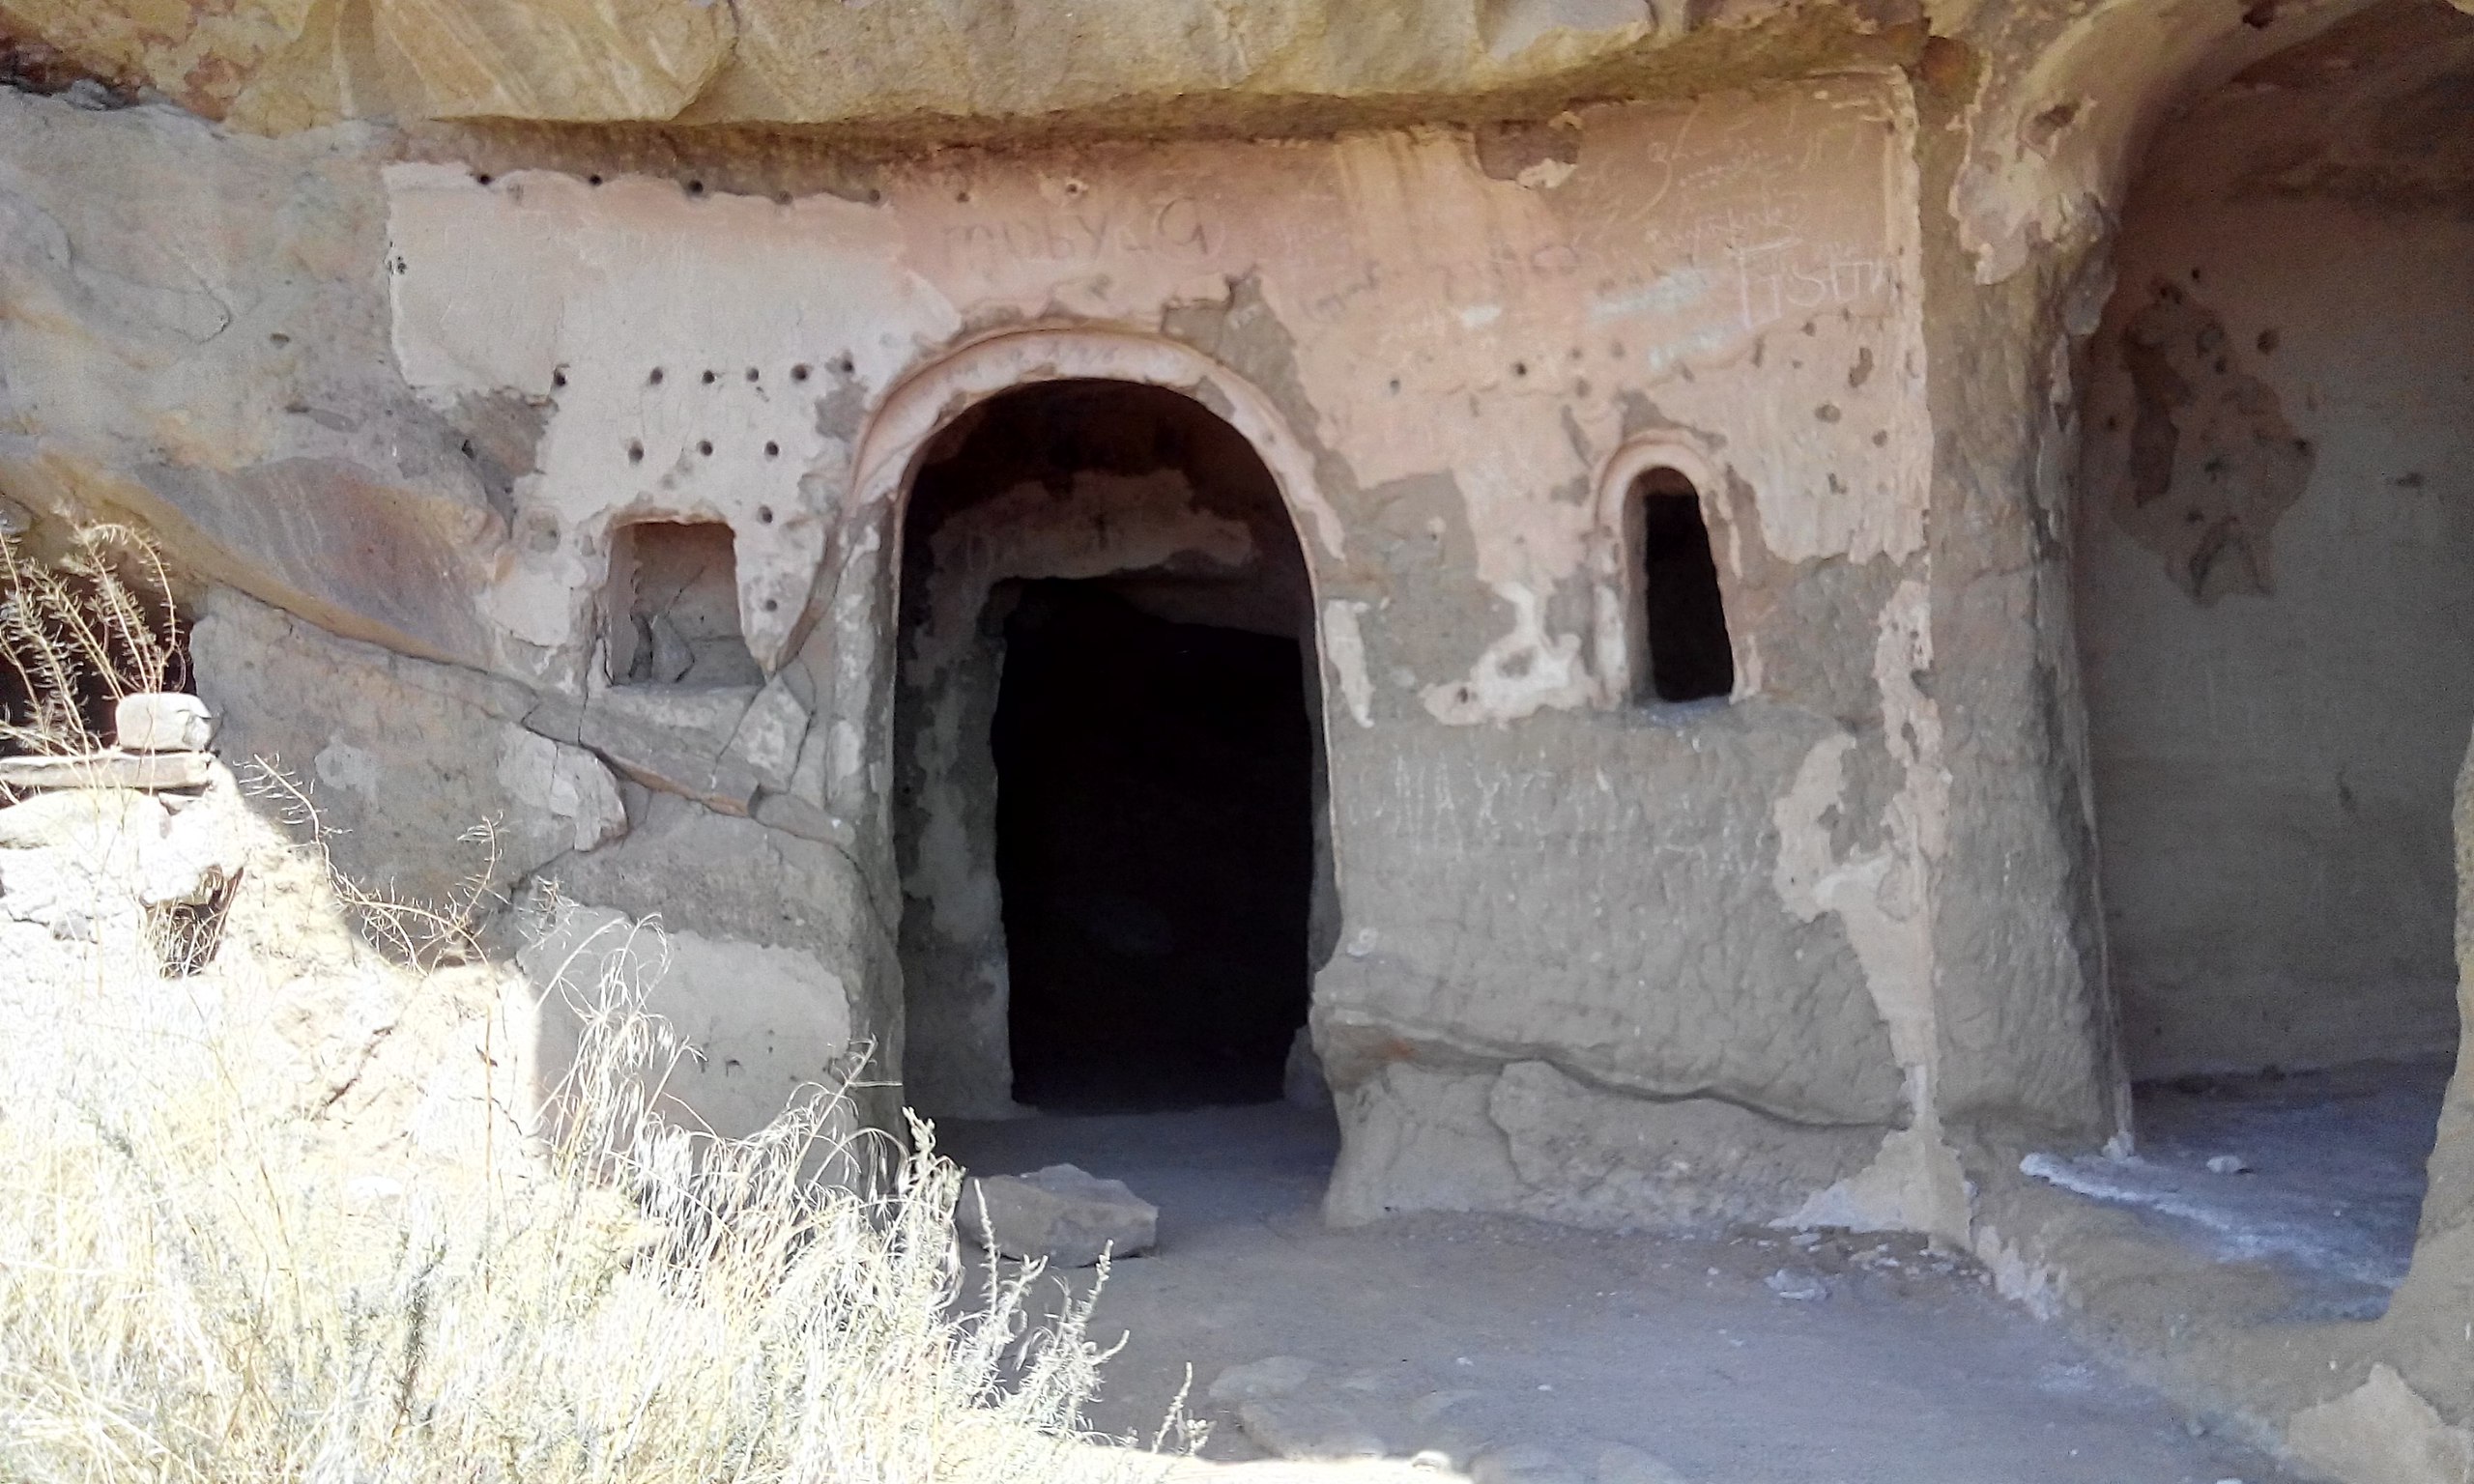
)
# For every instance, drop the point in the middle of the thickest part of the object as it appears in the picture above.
(1110, 790)
(1154, 851)
(1683, 615)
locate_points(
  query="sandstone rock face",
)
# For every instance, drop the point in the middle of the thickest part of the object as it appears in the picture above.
(205, 348)
(201, 56)
(1061, 1215)
(401, 756)
(393, 392)
(1531, 1137)
(287, 64)
(514, 366)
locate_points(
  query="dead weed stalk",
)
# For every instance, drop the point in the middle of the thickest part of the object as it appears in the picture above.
(80, 632)
(192, 1288)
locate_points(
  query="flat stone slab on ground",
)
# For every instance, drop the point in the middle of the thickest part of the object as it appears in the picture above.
(1308, 1427)
(144, 771)
(1277, 1375)
(1062, 1214)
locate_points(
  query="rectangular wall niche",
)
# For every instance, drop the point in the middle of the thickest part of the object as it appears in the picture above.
(671, 616)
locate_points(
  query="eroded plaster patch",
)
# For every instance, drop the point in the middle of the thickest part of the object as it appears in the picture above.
(684, 348)
(1882, 897)
(1519, 673)
(1345, 649)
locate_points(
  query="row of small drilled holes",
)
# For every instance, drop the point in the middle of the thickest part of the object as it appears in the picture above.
(872, 196)
(704, 446)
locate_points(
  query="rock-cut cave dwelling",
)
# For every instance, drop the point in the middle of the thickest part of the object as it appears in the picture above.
(1817, 612)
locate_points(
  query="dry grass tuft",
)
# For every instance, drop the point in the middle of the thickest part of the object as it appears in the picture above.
(186, 1295)
(207, 1276)
(79, 632)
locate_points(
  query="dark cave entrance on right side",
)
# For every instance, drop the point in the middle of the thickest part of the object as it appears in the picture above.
(2274, 545)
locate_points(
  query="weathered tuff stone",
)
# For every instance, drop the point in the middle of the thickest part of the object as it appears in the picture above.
(203, 349)
(153, 723)
(765, 1021)
(86, 864)
(1061, 1215)
(402, 757)
(275, 65)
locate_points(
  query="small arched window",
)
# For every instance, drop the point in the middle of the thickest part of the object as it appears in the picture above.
(1683, 615)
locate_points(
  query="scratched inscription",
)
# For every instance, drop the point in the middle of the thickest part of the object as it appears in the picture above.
(1788, 275)
(1174, 228)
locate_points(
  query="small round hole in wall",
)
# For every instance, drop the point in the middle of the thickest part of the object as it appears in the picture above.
(772, 605)
(704, 447)
(592, 180)
(710, 377)
(635, 451)
(558, 378)
(842, 365)
(655, 378)
(772, 450)
(798, 373)
(764, 514)
(695, 187)
(753, 374)
(1520, 368)
(481, 180)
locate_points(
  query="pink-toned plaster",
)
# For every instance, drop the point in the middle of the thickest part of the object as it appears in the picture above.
(1444, 367)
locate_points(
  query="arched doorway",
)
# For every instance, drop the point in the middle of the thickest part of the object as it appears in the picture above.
(1108, 759)
(2274, 550)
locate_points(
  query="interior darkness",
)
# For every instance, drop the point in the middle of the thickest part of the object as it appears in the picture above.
(1137, 763)
(1685, 617)
(1154, 851)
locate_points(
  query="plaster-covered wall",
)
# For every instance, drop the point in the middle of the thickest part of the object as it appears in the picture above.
(1605, 960)
(1671, 930)
(2276, 549)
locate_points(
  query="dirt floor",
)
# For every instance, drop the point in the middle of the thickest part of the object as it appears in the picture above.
(1521, 1351)
(2318, 1173)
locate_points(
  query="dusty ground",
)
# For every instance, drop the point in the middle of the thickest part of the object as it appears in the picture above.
(1534, 1352)
(2318, 1173)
